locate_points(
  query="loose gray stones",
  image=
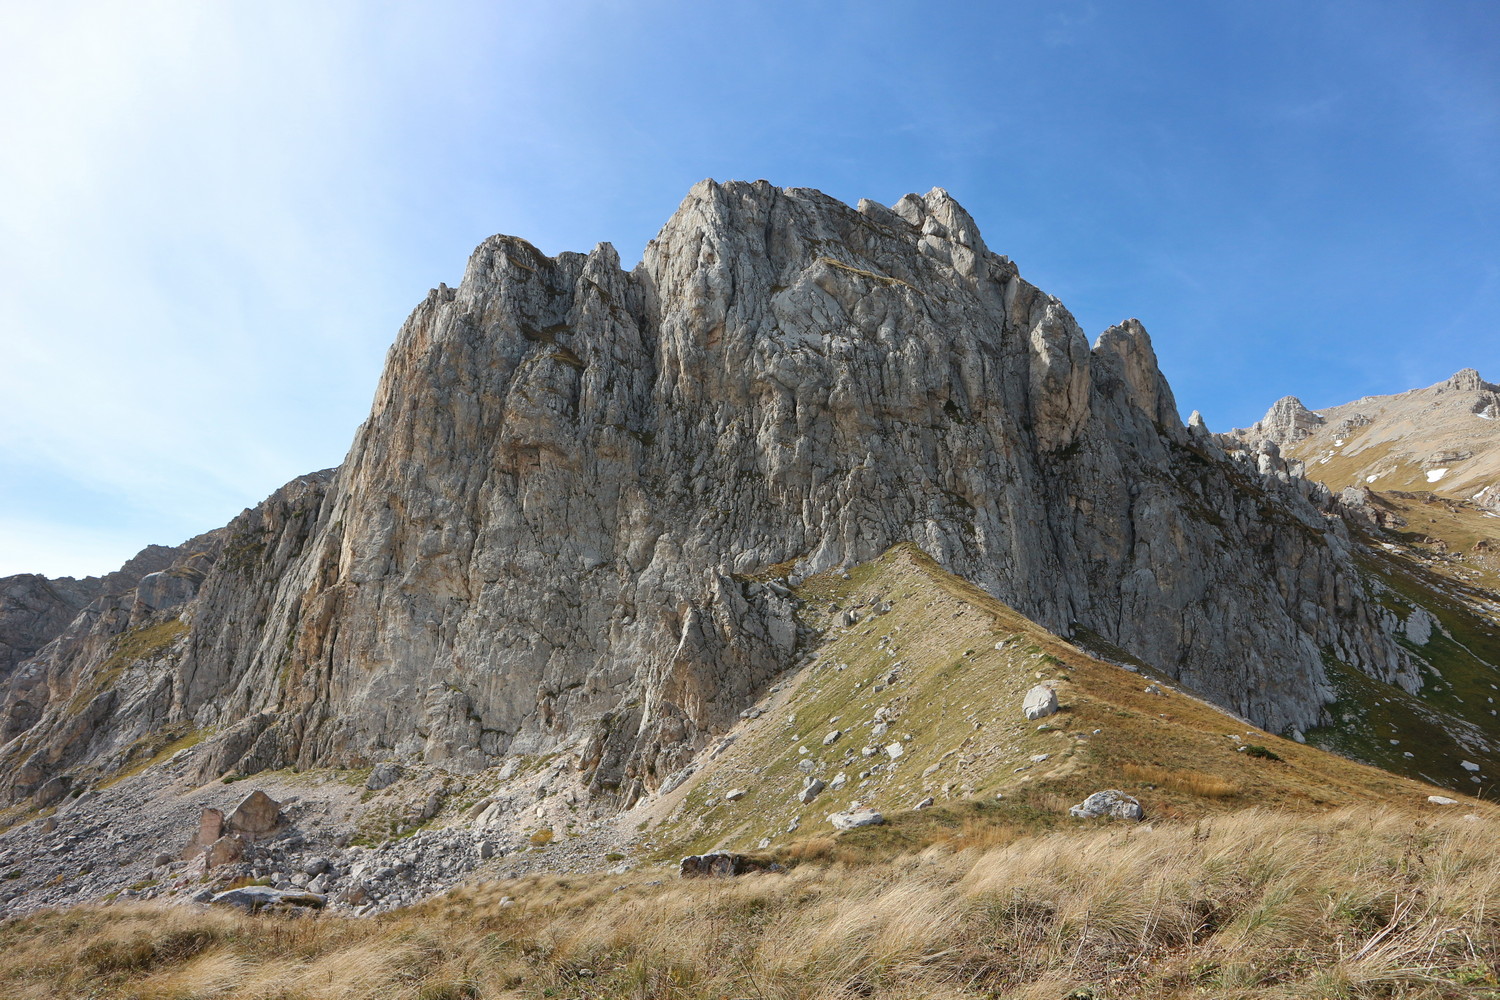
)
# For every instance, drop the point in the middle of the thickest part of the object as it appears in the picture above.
(811, 790)
(1110, 802)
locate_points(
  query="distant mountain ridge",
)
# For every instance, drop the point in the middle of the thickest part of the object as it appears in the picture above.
(1444, 439)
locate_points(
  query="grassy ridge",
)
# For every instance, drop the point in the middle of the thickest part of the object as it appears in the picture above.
(954, 708)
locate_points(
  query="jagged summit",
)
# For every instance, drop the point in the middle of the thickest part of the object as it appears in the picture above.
(1286, 421)
(1466, 380)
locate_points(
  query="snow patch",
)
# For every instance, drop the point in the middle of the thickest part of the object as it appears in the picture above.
(1433, 475)
(1371, 479)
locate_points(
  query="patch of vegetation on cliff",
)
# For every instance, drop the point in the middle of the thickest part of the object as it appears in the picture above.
(154, 748)
(128, 648)
(244, 550)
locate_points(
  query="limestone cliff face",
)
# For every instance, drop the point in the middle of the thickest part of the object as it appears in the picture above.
(563, 524)
(33, 610)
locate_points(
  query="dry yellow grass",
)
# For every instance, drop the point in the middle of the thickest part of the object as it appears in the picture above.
(1189, 782)
(1253, 904)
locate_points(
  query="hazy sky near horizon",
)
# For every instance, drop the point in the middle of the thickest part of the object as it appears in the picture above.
(215, 216)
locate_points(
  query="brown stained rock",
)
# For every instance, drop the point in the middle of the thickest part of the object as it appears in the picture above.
(210, 826)
(256, 816)
(224, 850)
(210, 829)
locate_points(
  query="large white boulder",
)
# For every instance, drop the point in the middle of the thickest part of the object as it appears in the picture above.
(1040, 702)
(811, 790)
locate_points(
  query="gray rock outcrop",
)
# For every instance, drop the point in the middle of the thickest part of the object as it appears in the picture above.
(723, 866)
(855, 818)
(259, 897)
(1110, 802)
(1287, 422)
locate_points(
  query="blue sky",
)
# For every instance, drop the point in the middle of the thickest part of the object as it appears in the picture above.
(214, 217)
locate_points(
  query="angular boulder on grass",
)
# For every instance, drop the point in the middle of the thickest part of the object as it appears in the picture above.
(856, 818)
(1110, 802)
(258, 897)
(1040, 702)
(723, 866)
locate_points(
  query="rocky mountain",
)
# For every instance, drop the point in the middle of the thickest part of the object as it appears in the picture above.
(572, 531)
(922, 705)
(1441, 439)
(1418, 474)
(34, 609)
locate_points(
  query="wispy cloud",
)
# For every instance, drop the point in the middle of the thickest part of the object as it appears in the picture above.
(1311, 110)
(204, 210)
(1069, 22)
